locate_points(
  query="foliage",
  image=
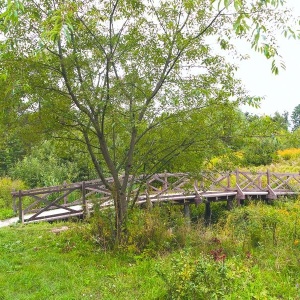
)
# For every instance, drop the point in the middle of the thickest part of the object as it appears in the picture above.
(261, 144)
(226, 162)
(260, 152)
(296, 117)
(282, 163)
(7, 185)
(148, 232)
(6, 213)
(209, 277)
(108, 74)
(289, 139)
(43, 167)
(289, 154)
(252, 253)
(11, 150)
(282, 120)
(259, 225)
(196, 279)
(246, 256)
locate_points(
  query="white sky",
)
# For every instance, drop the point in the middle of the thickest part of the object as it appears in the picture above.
(281, 92)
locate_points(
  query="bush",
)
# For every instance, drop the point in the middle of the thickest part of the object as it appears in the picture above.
(160, 229)
(205, 277)
(102, 227)
(146, 232)
(260, 153)
(253, 254)
(291, 153)
(44, 168)
(7, 185)
(265, 225)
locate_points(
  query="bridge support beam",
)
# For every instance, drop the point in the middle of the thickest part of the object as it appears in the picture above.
(239, 195)
(207, 213)
(149, 204)
(229, 204)
(187, 212)
(271, 194)
(21, 212)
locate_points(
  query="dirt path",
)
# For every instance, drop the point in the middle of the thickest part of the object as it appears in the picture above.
(9, 222)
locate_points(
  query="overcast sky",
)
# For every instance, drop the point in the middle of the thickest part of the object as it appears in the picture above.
(281, 92)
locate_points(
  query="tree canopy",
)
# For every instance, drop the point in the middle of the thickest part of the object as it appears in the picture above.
(118, 75)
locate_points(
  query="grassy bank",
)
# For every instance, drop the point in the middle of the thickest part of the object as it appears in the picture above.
(37, 262)
(253, 252)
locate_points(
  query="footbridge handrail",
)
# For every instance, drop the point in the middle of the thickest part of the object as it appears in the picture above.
(75, 199)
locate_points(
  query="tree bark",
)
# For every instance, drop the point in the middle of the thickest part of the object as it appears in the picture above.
(121, 207)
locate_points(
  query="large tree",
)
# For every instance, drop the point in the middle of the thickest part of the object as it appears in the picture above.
(110, 72)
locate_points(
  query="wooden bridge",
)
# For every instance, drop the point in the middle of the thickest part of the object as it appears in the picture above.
(78, 199)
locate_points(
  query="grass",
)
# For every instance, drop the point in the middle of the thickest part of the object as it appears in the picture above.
(253, 252)
(39, 264)
(6, 213)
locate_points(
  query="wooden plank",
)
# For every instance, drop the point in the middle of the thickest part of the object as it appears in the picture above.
(34, 204)
(45, 201)
(271, 193)
(239, 193)
(53, 203)
(250, 181)
(98, 190)
(21, 212)
(53, 217)
(217, 182)
(283, 180)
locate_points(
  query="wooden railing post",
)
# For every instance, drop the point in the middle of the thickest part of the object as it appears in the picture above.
(86, 212)
(268, 177)
(65, 198)
(228, 180)
(149, 204)
(229, 204)
(237, 177)
(21, 213)
(165, 187)
(14, 202)
(187, 213)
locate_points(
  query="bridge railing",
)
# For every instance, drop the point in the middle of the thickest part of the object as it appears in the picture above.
(75, 199)
(63, 201)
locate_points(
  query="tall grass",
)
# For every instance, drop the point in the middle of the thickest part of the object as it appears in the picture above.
(252, 252)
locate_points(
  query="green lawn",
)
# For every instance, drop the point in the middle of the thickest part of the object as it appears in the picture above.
(39, 264)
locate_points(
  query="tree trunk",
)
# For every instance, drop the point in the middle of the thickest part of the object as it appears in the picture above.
(121, 207)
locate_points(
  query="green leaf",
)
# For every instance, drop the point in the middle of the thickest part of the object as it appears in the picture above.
(227, 3)
(237, 4)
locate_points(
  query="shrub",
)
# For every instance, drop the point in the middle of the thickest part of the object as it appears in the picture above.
(44, 168)
(151, 231)
(7, 185)
(204, 277)
(146, 232)
(290, 153)
(253, 254)
(102, 227)
(260, 152)
(265, 225)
